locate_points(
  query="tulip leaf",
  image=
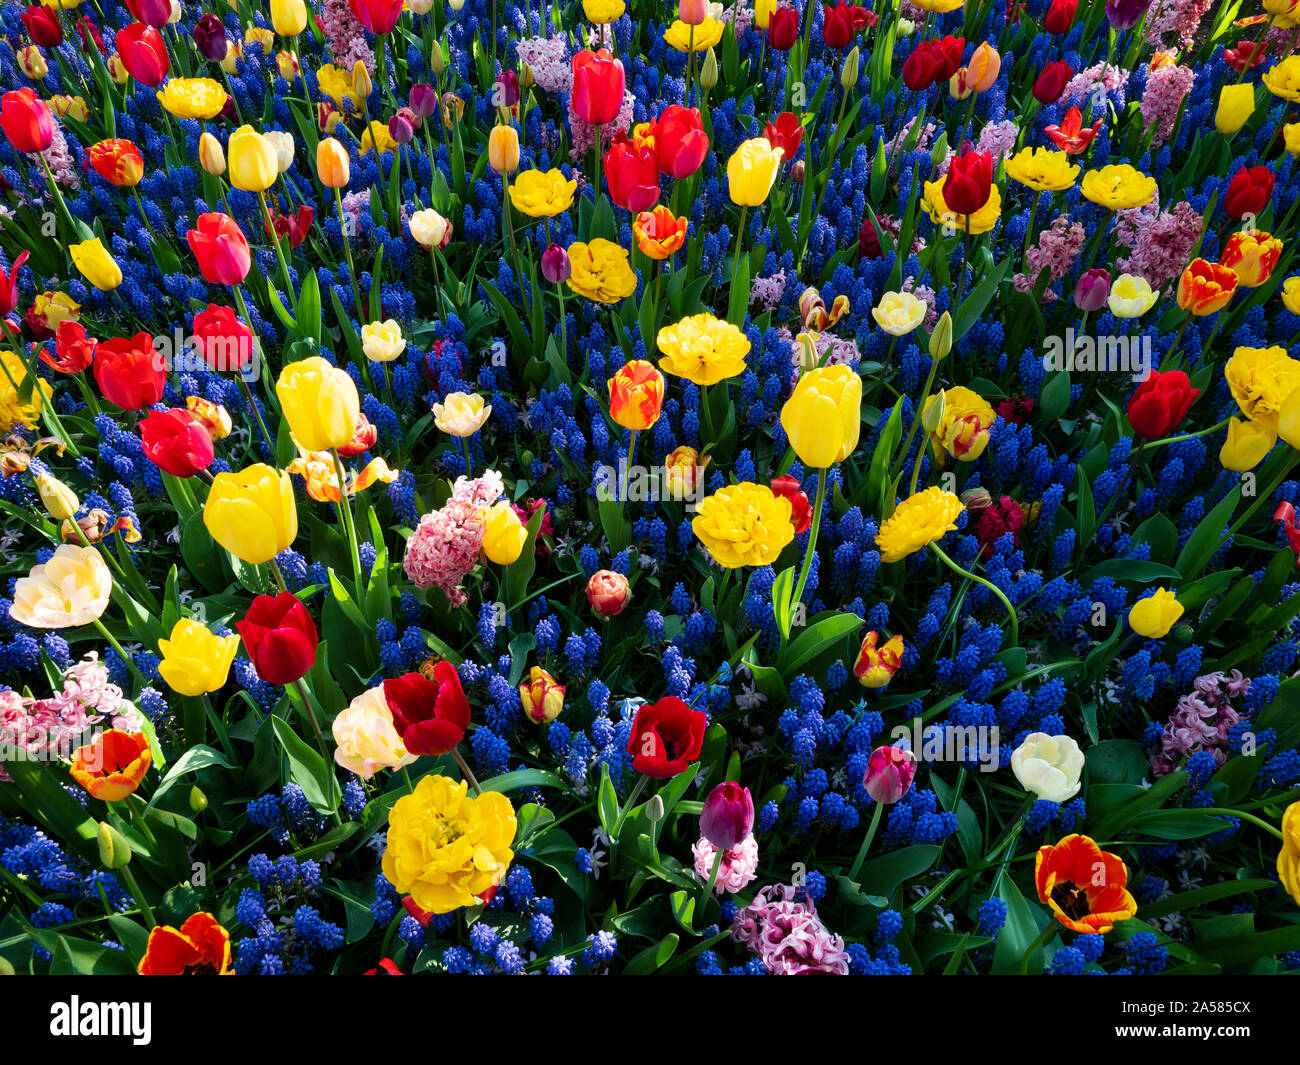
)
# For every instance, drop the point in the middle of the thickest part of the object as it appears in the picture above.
(1208, 537)
(197, 757)
(607, 805)
(820, 636)
(653, 958)
(307, 768)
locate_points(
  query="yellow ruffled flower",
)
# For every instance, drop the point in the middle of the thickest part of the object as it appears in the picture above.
(1131, 296)
(1261, 380)
(702, 349)
(1288, 858)
(446, 847)
(1042, 169)
(1283, 79)
(336, 83)
(201, 98)
(823, 416)
(71, 589)
(461, 413)
(602, 12)
(1118, 187)
(1246, 445)
(13, 410)
(982, 221)
(707, 34)
(752, 170)
(541, 194)
(194, 661)
(1154, 616)
(963, 432)
(898, 313)
(744, 525)
(377, 138)
(917, 522)
(600, 271)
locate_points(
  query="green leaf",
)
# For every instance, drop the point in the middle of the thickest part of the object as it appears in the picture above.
(307, 768)
(652, 958)
(198, 757)
(886, 874)
(1207, 537)
(820, 636)
(522, 778)
(607, 800)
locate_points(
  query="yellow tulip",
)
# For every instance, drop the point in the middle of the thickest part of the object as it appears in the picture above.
(195, 661)
(1154, 616)
(212, 157)
(332, 166)
(321, 403)
(289, 17)
(751, 171)
(1236, 104)
(253, 163)
(1288, 419)
(1291, 294)
(69, 590)
(382, 341)
(461, 413)
(1288, 858)
(824, 415)
(503, 539)
(58, 499)
(542, 696)
(252, 513)
(1247, 444)
(201, 98)
(96, 265)
(503, 149)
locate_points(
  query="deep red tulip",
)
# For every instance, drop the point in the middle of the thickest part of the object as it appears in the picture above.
(1052, 81)
(144, 53)
(1060, 16)
(680, 141)
(838, 25)
(26, 120)
(1246, 56)
(130, 372)
(210, 38)
(43, 26)
(294, 226)
(1248, 191)
(800, 508)
(9, 285)
(378, 16)
(598, 87)
(785, 132)
(969, 181)
(632, 174)
(783, 29)
(221, 249)
(176, 442)
(1160, 403)
(666, 737)
(933, 62)
(74, 349)
(279, 638)
(430, 714)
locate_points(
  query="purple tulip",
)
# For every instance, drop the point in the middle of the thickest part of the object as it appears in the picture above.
(156, 13)
(506, 90)
(1091, 291)
(889, 775)
(401, 129)
(210, 36)
(728, 815)
(555, 264)
(423, 100)
(1125, 14)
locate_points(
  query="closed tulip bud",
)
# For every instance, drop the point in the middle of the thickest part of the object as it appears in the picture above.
(889, 775)
(362, 86)
(1236, 105)
(808, 354)
(542, 697)
(437, 61)
(555, 264)
(287, 63)
(95, 264)
(198, 801)
(654, 809)
(253, 162)
(58, 499)
(941, 338)
(114, 851)
(823, 416)
(6, 967)
(849, 71)
(526, 77)
(332, 164)
(1246, 445)
(1154, 616)
(32, 63)
(503, 149)
(401, 128)
(321, 403)
(420, 7)
(693, 12)
(289, 17)
(709, 70)
(284, 148)
(932, 414)
(940, 150)
(210, 38)
(504, 536)
(1093, 289)
(212, 157)
(728, 815)
(983, 69)
(252, 512)
(608, 592)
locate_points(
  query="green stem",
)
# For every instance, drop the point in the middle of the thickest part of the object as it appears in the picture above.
(713, 879)
(130, 662)
(797, 597)
(879, 808)
(1043, 939)
(345, 511)
(1011, 611)
(128, 878)
(626, 808)
(466, 771)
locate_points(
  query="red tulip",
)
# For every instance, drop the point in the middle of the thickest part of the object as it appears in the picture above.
(430, 714)
(221, 249)
(1248, 191)
(1070, 136)
(279, 637)
(27, 122)
(294, 226)
(365, 436)
(632, 174)
(386, 967)
(800, 508)
(666, 736)
(970, 178)
(598, 87)
(144, 53)
(176, 442)
(75, 350)
(838, 27)
(680, 141)
(1245, 56)
(1160, 403)
(933, 61)
(117, 161)
(1052, 81)
(378, 16)
(43, 26)
(1060, 16)
(783, 29)
(9, 285)
(785, 132)
(224, 341)
(130, 372)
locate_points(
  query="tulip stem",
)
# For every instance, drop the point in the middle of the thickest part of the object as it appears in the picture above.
(58, 196)
(878, 809)
(916, 414)
(1011, 611)
(1188, 436)
(466, 772)
(795, 599)
(735, 260)
(347, 252)
(130, 662)
(345, 512)
(128, 878)
(301, 686)
(136, 816)
(279, 251)
(1044, 937)
(713, 879)
(464, 448)
(278, 575)
(635, 794)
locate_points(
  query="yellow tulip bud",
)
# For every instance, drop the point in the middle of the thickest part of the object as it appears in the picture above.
(752, 170)
(57, 498)
(114, 851)
(1247, 444)
(1236, 104)
(321, 403)
(823, 416)
(253, 163)
(1154, 616)
(96, 265)
(503, 539)
(503, 149)
(362, 86)
(437, 61)
(252, 513)
(212, 157)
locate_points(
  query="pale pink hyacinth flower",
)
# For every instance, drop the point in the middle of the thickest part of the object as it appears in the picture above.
(1055, 250)
(1201, 722)
(444, 548)
(1177, 20)
(781, 926)
(1166, 89)
(345, 36)
(1160, 242)
(739, 865)
(1085, 84)
(548, 59)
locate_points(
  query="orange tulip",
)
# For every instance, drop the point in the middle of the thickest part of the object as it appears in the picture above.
(1206, 287)
(200, 947)
(658, 232)
(1085, 886)
(1251, 256)
(112, 766)
(636, 394)
(117, 161)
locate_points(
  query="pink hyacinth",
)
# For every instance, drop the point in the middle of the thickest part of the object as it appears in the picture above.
(345, 36)
(1175, 20)
(1160, 242)
(60, 160)
(739, 865)
(782, 927)
(1055, 250)
(548, 59)
(1098, 76)
(767, 291)
(1201, 722)
(1166, 89)
(445, 547)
